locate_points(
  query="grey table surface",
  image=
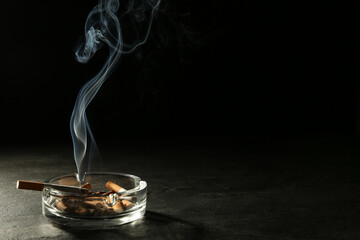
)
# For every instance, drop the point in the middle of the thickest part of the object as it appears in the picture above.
(252, 188)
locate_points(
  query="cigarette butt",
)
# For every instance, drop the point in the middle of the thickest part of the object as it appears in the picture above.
(114, 187)
(117, 208)
(107, 209)
(80, 210)
(60, 205)
(96, 198)
(108, 193)
(70, 202)
(126, 204)
(86, 186)
(37, 186)
(93, 204)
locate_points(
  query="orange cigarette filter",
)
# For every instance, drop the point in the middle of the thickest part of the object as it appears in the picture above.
(37, 186)
(60, 205)
(114, 187)
(108, 193)
(126, 204)
(118, 208)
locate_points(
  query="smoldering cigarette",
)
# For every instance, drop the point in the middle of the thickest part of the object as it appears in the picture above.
(39, 186)
(114, 187)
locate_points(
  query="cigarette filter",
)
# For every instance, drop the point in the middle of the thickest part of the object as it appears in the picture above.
(114, 187)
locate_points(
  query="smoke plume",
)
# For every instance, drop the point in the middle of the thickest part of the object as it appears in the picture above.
(104, 27)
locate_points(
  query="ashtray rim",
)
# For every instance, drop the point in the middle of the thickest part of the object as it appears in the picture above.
(141, 184)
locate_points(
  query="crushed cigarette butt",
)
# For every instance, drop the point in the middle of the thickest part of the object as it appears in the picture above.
(96, 203)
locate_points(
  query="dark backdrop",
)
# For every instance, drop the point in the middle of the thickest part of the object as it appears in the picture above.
(208, 68)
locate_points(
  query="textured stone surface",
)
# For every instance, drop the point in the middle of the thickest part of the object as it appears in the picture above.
(250, 188)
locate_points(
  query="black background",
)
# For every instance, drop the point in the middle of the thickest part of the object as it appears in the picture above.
(244, 111)
(208, 68)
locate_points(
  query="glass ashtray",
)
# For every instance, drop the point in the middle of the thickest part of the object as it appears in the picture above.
(101, 208)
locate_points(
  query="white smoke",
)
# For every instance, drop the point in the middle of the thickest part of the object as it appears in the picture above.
(103, 27)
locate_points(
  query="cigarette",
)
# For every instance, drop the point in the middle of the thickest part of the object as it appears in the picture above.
(38, 186)
(126, 204)
(118, 208)
(95, 204)
(108, 193)
(60, 205)
(114, 187)
(99, 206)
(112, 199)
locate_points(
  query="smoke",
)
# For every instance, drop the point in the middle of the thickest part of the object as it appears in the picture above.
(104, 27)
